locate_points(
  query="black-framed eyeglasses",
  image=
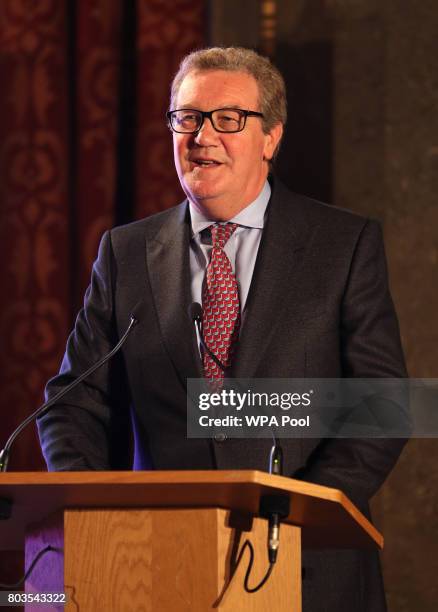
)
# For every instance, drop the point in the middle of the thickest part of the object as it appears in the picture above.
(191, 120)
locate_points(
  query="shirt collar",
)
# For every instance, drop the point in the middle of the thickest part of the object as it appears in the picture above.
(252, 215)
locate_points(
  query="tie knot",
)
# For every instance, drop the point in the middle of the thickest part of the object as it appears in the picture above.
(220, 234)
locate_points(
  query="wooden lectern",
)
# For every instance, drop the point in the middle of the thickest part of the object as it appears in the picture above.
(168, 541)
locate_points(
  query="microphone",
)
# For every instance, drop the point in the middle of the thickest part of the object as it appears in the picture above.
(195, 314)
(276, 459)
(4, 454)
(274, 507)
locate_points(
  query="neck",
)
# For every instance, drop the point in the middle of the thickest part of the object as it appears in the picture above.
(223, 209)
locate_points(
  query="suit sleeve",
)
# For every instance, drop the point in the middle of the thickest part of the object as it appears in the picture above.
(370, 348)
(88, 429)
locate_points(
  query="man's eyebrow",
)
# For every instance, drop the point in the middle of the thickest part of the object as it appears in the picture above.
(218, 107)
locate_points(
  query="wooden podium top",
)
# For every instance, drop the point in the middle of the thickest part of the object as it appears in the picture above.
(327, 517)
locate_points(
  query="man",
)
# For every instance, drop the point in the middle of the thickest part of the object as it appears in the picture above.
(312, 297)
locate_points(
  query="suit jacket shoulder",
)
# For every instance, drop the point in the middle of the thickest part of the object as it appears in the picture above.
(299, 214)
(158, 226)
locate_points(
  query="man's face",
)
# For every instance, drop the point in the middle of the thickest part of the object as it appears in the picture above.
(224, 188)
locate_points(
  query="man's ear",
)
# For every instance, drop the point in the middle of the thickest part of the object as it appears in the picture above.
(272, 140)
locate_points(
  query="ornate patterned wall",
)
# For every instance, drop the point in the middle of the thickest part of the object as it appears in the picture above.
(167, 32)
(96, 62)
(34, 208)
(65, 68)
(68, 171)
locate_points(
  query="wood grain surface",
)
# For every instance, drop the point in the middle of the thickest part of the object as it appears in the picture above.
(327, 517)
(175, 560)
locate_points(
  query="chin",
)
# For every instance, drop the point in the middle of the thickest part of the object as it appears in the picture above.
(200, 190)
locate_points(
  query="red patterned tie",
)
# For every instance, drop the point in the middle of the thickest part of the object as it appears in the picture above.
(220, 303)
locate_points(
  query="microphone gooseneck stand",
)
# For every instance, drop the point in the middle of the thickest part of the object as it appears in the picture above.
(272, 507)
(4, 454)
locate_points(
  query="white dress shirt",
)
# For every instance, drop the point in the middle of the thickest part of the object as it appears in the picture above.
(241, 248)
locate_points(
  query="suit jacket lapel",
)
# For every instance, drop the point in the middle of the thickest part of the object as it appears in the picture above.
(168, 266)
(274, 280)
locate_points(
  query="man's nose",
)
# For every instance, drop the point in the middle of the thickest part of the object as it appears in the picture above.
(207, 134)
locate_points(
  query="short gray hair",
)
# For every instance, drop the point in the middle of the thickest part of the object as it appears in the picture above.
(272, 90)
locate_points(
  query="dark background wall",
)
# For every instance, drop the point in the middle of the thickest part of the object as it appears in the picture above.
(385, 164)
(362, 80)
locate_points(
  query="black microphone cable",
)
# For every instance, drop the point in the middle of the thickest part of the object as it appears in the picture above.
(263, 581)
(195, 314)
(31, 567)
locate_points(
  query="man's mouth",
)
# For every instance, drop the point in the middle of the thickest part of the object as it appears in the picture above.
(205, 163)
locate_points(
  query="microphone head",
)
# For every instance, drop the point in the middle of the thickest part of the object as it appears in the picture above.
(195, 312)
(134, 312)
(276, 460)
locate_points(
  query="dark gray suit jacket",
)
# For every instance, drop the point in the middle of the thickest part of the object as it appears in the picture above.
(319, 306)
